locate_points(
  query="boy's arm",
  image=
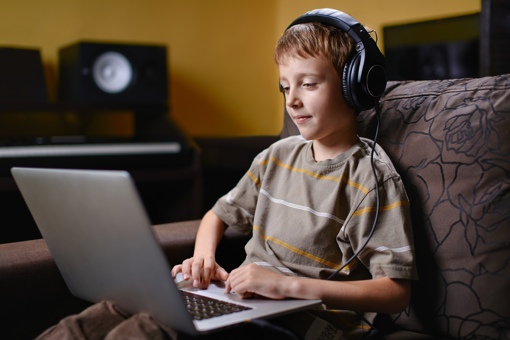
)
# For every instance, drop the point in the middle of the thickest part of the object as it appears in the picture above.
(202, 267)
(382, 295)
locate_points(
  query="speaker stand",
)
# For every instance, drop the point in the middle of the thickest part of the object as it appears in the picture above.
(156, 124)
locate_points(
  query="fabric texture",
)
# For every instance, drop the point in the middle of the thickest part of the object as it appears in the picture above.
(450, 142)
(309, 218)
(104, 320)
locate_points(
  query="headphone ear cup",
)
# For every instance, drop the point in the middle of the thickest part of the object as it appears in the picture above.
(349, 81)
(362, 88)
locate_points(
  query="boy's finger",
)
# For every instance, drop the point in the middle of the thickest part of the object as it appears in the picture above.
(176, 270)
(221, 274)
(197, 269)
(228, 287)
(206, 277)
(186, 268)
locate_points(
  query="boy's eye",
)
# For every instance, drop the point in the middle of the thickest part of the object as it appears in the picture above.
(284, 88)
(309, 85)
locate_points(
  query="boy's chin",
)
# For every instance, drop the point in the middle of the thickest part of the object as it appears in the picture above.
(306, 134)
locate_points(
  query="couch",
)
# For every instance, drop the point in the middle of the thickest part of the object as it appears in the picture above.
(450, 141)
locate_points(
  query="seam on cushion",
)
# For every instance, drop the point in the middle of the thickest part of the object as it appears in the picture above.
(443, 91)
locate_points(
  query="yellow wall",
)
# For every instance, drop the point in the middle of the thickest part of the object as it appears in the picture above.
(222, 78)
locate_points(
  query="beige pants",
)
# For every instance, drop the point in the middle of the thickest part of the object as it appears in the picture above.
(105, 321)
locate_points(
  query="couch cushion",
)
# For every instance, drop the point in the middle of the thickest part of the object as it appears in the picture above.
(450, 141)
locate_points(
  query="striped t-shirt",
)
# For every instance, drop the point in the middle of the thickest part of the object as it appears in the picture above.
(308, 218)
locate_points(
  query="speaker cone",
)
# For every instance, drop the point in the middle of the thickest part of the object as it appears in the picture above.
(112, 72)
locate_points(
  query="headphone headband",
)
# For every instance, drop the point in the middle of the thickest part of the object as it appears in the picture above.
(364, 73)
(338, 19)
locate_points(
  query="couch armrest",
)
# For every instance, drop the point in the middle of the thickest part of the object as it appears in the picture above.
(34, 295)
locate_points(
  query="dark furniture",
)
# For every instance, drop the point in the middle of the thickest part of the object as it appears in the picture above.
(494, 37)
(160, 157)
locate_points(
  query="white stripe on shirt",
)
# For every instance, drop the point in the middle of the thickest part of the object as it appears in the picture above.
(301, 207)
(231, 202)
(396, 250)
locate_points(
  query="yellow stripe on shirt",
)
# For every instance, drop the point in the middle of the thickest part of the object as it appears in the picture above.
(299, 251)
(254, 178)
(315, 175)
(385, 208)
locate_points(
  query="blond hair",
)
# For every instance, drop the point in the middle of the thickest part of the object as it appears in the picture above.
(312, 40)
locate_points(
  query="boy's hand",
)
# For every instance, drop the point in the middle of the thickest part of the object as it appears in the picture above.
(201, 270)
(252, 280)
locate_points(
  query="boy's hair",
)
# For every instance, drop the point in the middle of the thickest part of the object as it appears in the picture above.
(311, 40)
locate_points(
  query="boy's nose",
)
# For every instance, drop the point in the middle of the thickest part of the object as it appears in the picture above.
(292, 100)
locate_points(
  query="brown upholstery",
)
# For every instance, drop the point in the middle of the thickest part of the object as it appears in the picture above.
(450, 141)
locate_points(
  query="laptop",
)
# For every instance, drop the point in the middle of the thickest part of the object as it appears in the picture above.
(101, 239)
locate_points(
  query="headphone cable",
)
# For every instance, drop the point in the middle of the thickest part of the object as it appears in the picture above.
(377, 206)
(377, 198)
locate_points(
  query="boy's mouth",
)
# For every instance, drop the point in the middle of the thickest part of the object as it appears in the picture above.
(301, 119)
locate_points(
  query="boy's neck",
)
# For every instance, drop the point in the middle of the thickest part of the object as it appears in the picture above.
(323, 151)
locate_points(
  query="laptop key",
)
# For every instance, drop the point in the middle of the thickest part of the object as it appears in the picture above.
(201, 307)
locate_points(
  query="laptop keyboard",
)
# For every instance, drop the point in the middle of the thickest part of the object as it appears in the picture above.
(201, 307)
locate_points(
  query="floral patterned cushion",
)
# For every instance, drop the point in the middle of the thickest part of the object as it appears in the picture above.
(450, 141)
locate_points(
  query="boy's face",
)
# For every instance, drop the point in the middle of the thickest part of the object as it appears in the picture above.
(315, 102)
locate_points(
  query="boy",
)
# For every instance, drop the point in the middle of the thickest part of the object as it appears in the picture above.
(308, 202)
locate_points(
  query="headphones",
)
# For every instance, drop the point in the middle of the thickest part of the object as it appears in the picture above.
(364, 74)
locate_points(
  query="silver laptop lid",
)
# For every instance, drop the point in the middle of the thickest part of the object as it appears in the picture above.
(101, 239)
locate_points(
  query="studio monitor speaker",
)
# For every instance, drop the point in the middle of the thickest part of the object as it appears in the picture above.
(113, 73)
(22, 77)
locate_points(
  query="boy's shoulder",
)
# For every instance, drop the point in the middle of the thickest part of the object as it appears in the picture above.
(287, 144)
(382, 160)
(290, 142)
(284, 148)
